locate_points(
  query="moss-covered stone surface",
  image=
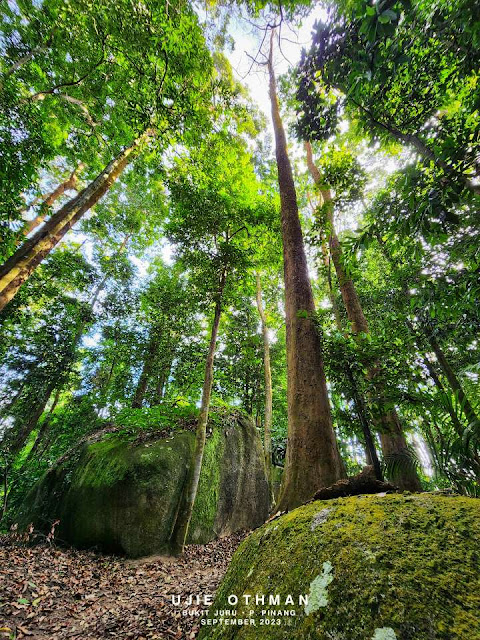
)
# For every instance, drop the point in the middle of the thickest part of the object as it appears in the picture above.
(122, 495)
(404, 567)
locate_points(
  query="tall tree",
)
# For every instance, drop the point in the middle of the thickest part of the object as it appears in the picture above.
(397, 79)
(218, 180)
(361, 408)
(267, 425)
(49, 199)
(19, 267)
(394, 444)
(313, 460)
(183, 519)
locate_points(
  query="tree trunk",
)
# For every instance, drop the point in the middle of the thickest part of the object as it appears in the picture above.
(23, 434)
(50, 199)
(359, 401)
(162, 382)
(436, 380)
(26, 429)
(18, 268)
(267, 427)
(454, 382)
(443, 362)
(160, 389)
(312, 460)
(152, 350)
(438, 383)
(44, 427)
(185, 513)
(394, 444)
(5, 490)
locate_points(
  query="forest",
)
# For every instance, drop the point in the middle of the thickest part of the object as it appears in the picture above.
(239, 309)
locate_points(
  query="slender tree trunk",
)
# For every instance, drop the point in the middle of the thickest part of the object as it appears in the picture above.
(24, 60)
(185, 513)
(5, 489)
(313, 460)
(50, 199)
(32, 422)
(452, 379)
(18, 268)
(159, 388)
(443, 362)
(358, 399)
(392, 438)
(44, 427)
(438, 383)
(267, 438)
(100, 287)
(162, 382)
(27, 427)
(152, 350)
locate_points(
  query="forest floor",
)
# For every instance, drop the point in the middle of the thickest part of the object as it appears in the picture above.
(51, 593)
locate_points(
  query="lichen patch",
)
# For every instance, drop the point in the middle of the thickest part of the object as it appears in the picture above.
(318, 589)
(385, 633)
(320, 517)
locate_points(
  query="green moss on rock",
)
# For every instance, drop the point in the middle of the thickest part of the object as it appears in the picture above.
(394, 566)
(206, 504)
(122, 495)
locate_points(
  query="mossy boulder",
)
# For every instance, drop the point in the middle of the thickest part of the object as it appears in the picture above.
(122, 494)
(384, 567)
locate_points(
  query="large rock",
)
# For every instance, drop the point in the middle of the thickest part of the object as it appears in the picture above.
(387, 567)
(122, 494)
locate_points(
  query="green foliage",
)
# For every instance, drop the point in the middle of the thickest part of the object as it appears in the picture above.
(176, 415)
(388, 94)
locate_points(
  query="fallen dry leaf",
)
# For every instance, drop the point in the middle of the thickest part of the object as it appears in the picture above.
(54, 594)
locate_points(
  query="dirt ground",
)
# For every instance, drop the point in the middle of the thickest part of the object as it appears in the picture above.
(51, 593)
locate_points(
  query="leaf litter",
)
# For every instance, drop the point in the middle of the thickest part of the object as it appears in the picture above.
(52, 593)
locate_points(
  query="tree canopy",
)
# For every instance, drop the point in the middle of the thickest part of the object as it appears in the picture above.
(144, 208)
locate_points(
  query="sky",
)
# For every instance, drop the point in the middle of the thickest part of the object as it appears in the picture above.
(247, 33)
(247, 41)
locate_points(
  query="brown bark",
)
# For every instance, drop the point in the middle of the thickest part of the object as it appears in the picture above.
(29, 425)
(44, 427)
(185, 513)
(454, 382)
(152, 350)
(392, 438)
(267, 427)
(347, 288)
(358, 398)
(312, 459)
(50, 199)
(18, 268)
